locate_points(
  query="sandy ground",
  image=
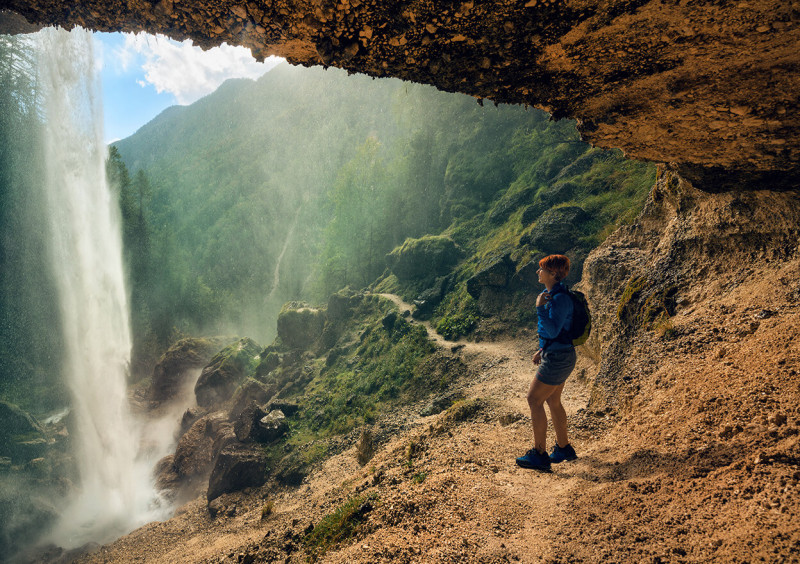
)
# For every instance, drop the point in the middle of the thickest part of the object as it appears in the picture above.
(700, 465)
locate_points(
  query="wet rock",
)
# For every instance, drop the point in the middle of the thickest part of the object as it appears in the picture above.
(246, 426)
(21, 437)
(225, 372)
(175, 367)
(237, 467)
(251, 391)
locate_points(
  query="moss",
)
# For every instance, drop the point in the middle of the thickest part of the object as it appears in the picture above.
(629, 294)
(338, 527)
(457, 315)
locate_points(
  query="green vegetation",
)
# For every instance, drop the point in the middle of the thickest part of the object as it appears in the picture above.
(338, 527)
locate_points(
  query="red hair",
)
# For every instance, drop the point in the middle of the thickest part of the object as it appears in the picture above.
(557, 264)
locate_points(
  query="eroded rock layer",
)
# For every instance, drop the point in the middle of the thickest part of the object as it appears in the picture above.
(710, 86)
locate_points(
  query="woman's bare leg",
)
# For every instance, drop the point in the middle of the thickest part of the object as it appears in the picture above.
(559, 416)
(537, 395)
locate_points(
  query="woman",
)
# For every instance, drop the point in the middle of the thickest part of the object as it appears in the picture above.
(556, 360)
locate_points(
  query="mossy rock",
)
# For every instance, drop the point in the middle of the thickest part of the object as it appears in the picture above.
(299, 326)
(427, 257)
(558, 229)
(226, 371)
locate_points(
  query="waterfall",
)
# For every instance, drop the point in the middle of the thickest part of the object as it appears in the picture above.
(115, 491)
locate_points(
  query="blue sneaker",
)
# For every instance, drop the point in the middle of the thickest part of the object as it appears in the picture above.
(564, 454)
(534, 461)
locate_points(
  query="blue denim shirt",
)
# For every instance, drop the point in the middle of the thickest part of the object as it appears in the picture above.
(555, 316)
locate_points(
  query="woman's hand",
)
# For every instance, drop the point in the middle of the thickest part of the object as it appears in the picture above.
(537, 358)
(543, 298)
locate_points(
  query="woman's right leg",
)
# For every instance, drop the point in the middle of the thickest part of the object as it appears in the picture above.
(539, 393)
(559, 415)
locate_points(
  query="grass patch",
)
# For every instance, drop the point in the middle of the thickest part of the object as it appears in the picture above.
(338, 527)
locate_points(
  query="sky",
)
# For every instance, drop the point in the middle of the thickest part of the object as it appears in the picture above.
(144, 74)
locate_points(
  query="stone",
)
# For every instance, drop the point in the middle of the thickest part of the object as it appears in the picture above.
(246, 425)
(225, 372)
(427, 257)
(237, 467)
(299, 326)
(497, 276)
(272, 426)
(251, 391)
(558, 230)
(427, 301)
(176, 366)
(287, 407)
(194, 453)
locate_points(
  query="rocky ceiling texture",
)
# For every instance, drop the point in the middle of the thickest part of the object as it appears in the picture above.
(710, 87)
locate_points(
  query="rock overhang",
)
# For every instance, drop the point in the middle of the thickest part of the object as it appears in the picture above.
(710, 87)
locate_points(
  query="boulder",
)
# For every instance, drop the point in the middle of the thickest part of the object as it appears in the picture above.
(237, 467)
(189, 417)
(287, 407)
(225, 372)
(251, 391)
(557, 230)
(429, 256)
(174, 369)
(246, 426)
(427, 301)
(497, 275)
(269, 362)
(341, 304)
(299, 326)
(272, 426)
(195, 452)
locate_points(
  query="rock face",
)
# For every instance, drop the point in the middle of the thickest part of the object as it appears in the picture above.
(656, 266)
(709, 86)
(225, 372)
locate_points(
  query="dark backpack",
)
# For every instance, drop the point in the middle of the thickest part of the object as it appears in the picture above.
(581, 320)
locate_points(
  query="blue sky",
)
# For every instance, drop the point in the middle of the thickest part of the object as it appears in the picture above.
(144, 74)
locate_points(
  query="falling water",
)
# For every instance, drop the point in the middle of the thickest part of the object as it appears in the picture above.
(115, 492)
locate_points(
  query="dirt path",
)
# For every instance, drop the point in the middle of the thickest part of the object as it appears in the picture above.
(448, 488)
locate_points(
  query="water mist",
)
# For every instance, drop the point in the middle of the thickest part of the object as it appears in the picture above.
(115, 491)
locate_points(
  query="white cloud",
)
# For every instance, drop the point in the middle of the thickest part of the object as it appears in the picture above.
(187, 71)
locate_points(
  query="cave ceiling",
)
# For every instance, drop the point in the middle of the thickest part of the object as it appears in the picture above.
(709, 87)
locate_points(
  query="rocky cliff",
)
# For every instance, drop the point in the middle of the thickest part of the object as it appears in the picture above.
(708, 86)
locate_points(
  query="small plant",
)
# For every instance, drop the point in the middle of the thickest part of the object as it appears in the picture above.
(338, 527)
(663, 326)
(419, 477)
(266, 511)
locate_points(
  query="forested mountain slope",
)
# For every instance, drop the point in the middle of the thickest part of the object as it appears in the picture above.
(300, 183)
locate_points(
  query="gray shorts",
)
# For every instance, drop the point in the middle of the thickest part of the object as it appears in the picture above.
(556, 366)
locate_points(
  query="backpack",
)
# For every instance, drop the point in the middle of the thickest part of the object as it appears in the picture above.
(581, 320)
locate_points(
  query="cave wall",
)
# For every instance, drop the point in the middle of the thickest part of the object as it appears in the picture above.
(711, 87)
